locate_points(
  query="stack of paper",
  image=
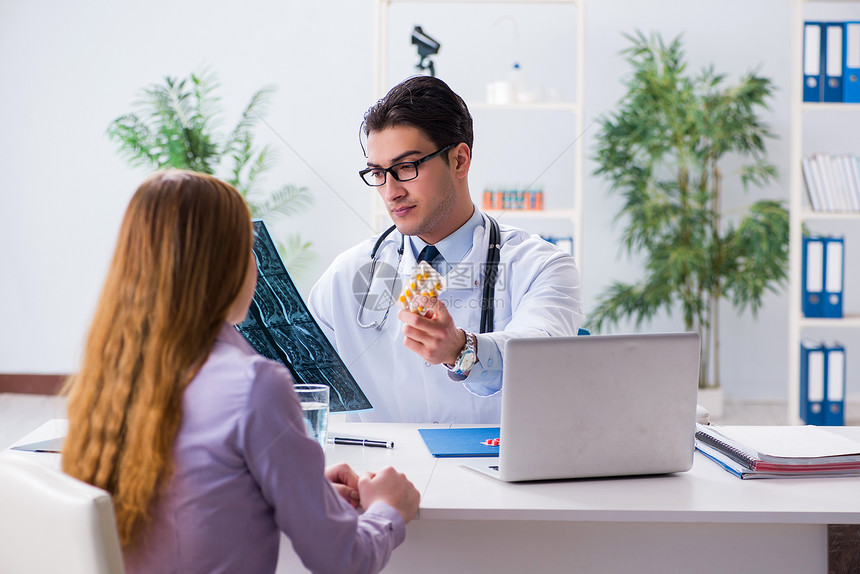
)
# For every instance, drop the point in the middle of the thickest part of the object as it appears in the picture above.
(832, 181)
(779, 451)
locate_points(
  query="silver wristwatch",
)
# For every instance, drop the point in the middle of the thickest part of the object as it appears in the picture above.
(467, 358)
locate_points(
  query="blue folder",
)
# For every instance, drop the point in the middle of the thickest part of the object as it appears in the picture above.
(51, 445)
(812, 382)
(851, 63)
(834, 405)
(832, 48)
(444, 443)
(812, 272)
(834, 277)
(813, 61)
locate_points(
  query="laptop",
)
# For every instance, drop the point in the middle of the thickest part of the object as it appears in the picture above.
(597, 406)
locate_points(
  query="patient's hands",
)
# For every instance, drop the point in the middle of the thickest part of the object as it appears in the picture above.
(392, 488)
(345, 482)
(387, 485)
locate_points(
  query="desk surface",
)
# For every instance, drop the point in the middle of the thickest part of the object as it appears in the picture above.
(706, 493)
(650, 525)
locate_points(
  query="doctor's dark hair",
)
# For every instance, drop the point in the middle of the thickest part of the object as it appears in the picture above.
(426, 103)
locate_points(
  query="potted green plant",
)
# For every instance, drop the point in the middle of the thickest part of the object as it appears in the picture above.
(175, 126)
(663, 150)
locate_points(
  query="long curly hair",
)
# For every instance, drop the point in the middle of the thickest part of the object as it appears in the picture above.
(180, 262)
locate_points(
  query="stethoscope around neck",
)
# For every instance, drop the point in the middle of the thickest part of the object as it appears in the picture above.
(490, 273)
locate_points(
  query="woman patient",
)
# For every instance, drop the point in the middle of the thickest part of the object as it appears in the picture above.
(199, 439)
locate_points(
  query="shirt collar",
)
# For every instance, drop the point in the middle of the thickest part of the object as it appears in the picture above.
(456, 246)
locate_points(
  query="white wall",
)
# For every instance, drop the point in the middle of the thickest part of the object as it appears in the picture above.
(69, 68)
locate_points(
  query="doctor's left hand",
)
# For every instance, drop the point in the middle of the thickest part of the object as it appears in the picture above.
(434, 336)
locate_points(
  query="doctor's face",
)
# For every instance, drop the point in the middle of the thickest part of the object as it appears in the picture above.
(427, 205)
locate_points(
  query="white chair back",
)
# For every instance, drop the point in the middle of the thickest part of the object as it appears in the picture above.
(51, 522)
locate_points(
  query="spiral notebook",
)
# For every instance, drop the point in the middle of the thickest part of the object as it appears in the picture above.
(603, 405)
(781, 450)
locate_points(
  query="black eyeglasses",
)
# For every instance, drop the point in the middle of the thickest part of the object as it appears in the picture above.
(403, 171)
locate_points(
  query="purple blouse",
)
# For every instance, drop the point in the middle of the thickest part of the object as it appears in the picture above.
(244, 472)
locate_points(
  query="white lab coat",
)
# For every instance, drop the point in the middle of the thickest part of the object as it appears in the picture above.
(538, 293)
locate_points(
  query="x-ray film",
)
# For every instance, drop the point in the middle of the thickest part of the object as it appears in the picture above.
(280, 327)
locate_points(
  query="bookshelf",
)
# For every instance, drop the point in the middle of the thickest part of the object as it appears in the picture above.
(564, 209)
(804, 115)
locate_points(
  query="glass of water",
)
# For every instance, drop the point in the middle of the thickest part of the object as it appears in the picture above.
(314, 400)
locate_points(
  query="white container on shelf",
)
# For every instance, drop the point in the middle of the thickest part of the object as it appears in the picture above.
(500, 93)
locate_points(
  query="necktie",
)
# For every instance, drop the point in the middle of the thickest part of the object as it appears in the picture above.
(432, 256)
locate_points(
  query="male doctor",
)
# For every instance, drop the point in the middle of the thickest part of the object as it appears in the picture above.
(436, 367)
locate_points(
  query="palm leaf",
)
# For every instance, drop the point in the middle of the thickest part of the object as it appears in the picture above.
(289, 200)
(249, 118)
(661, 151)
(136, 142)
(174, 126)
(296, 254)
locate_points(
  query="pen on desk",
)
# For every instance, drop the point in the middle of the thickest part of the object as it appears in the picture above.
(361, 442)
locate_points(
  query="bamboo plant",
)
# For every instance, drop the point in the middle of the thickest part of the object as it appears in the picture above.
(664, 150)
(175, 125)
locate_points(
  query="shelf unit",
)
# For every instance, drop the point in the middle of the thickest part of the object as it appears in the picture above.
(799, 213)
(572, 216)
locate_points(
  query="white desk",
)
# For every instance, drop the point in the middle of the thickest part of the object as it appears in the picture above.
(702, 521)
